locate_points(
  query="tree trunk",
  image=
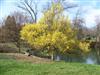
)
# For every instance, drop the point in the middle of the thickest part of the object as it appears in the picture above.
(19, 49)
(52, 56)
(18, 46)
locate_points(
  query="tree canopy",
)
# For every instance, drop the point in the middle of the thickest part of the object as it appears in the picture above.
(53, 33)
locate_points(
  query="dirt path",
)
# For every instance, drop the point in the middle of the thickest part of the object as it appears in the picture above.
(23, 57)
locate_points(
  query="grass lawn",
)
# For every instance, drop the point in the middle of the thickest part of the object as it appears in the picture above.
(16, 67)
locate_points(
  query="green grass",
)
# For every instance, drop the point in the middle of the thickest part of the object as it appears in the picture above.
(4, 56)
(15, 67)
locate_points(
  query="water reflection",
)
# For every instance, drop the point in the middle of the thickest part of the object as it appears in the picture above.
(90, 61)
(90, 58)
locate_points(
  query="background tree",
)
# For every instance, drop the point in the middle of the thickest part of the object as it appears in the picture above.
(11, 31)
(30, 6)
(98, 28)
(97, 42)
(66, 5)
(79, 24)
(10, 26)
(21, 18)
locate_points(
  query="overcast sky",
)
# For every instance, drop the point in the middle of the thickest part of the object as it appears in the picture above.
(91, 9)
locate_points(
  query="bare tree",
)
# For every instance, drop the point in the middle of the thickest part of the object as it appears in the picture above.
(78, 23)
(65, 4)
(97, 28)
(96, 43)
(21, 18)
(29, 6)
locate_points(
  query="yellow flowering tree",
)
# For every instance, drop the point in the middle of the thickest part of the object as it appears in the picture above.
(53, 33)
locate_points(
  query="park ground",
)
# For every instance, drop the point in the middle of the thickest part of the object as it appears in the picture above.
(20, 64)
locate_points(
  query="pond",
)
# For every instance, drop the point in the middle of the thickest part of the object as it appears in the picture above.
(88, 59)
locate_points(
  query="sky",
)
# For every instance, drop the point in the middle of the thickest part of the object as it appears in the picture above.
(90, 9)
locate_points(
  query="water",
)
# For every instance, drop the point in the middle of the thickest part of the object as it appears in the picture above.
(90, 61)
